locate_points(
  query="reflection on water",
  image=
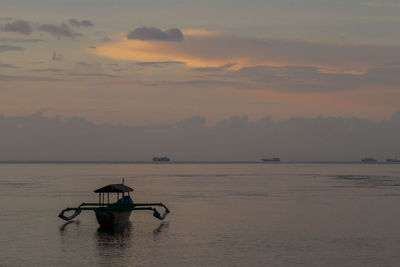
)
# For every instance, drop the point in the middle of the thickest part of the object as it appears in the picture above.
(371, 181)
(158, 232)
(68, 225)
(116, 230)
(224, 215)
(118, 235)
(113, 243)
(162, 227)
(120, 243)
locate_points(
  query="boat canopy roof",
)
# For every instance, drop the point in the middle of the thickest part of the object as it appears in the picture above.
(114, 188)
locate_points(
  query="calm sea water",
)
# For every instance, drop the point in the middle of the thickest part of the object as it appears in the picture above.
(221, 215)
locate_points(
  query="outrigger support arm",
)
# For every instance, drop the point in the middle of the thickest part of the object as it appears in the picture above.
(148, 206)
(76, 213)
(96, 206)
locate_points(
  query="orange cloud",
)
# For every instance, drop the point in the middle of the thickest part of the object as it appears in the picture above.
(147, 51)
(202, 48)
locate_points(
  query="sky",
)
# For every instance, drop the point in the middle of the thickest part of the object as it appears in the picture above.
(41, 138)
(138, 63)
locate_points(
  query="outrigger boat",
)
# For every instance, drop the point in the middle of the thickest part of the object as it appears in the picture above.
(111, 214)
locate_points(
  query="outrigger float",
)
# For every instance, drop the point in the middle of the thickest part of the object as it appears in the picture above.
(111, 214)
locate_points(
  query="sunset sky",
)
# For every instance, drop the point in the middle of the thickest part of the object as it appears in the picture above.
(144, 62)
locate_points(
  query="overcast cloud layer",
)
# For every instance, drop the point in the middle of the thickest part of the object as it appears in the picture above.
(34, 137)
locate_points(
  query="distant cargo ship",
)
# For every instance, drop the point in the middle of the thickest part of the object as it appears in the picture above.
(369, 160)
(271, 160)
(162, 159)
(393, 160)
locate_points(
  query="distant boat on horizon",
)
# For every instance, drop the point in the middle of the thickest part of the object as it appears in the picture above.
(271, 159)
(392, 160)
(161, 159)
(369, 160)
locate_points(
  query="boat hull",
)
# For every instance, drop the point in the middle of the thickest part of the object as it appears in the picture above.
(108, 218)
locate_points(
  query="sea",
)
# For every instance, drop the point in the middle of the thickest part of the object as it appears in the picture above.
(222, 214)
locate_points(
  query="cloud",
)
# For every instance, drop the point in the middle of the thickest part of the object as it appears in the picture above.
(8, 66)
(27, 78)
(248, 63)
(47, 70)
(155, 34)
(7, 18)
(105, 39)
(311, 79)
(5, 48)
(202, 49)
(18, 40)
(235, 138)
(94, 74)
(81, 23)
(382, 4)
(115, 67)
(212, 69)
(233, 122)
(205, 83)
(57, 56)
(158, 64)
(298, 79)
(84, 69)
(18, 26)
(62, 30)
(192, 122)
(293, 79)
(93, 66)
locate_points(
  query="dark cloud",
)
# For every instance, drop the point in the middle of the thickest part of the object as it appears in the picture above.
(205, 83)
(96, 65)
(155, 34)
(212, 69)
(158, 64)
(235, 138)
(95, 69)
(297, 79)
(8, 66)
(202, 83)
(192, 122)
(5, 48)
(395, 116)
(294, 78)
(105, 39)
(115, 67)
(94, 74)
(18, 26)
(81, 23)
(27, 78)
(7, 18)
(18, 40)
(37, 62)
(62, 30)
(227, 48)
(57, 56)
(47, 70)
(302, 79)
(233, 122)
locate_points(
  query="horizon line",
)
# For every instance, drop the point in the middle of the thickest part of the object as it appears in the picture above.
(184, 162)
